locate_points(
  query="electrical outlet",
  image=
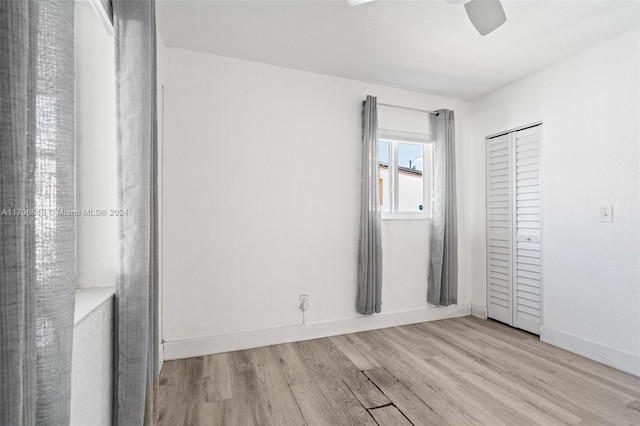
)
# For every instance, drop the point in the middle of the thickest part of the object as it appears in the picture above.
(304, 302)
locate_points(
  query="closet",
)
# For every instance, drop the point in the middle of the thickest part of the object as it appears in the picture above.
(514, 261)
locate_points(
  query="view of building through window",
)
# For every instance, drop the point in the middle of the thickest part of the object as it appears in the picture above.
(402, 179)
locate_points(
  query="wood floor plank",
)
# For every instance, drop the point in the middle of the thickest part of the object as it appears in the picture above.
(180, 395)
(293, 367)
(314, 406)
(315, 362)
(171, 404)
(480, 406)
(414, 379)
(170, 372)
(330, 383)
(241, 410)
(356, 350)
(182, 372)
(243, 376)
(192, 407)
(453, 410)
(500, 401)
(280, 407)
(389, 416)
(395, 350)
(417, 342)
(361, 387)
(245, 384)
(406, 401)
(179, 405)
(216, 378)
(346, 406)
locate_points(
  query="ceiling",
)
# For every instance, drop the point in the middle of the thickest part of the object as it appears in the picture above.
(427, 45)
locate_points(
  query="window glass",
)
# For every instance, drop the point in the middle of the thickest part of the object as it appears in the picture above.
(410, 185)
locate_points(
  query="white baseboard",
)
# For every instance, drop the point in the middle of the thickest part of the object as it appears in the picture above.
(179, 349)
(615, 358)
(479, 311)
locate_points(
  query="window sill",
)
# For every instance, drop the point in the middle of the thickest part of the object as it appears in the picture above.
(404, 216)
(89, 299)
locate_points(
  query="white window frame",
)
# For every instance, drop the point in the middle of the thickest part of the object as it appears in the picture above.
(395, 137)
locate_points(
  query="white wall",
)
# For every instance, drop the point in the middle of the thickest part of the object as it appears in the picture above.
(92, 367)
(589, 106)
(96, 161)
(251, 218)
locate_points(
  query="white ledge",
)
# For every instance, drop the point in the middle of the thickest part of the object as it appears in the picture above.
(89, 299)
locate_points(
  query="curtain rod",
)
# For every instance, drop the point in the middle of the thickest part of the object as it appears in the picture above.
(404, 107)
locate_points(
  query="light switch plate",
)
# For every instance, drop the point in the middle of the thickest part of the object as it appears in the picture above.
(606, 214)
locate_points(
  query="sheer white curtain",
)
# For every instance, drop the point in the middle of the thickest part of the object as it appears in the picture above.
(37, 240)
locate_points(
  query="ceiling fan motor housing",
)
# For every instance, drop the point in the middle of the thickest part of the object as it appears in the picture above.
(485, 15)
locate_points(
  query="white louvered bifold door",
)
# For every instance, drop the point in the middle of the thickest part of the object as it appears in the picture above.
(514, 274)
(500, 229)
(528, 274)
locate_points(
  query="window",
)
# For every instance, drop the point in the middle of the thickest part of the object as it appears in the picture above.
(406, 175)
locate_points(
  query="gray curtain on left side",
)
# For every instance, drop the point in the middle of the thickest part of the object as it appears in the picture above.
(37, 243)
(369, 299)
(136, 343)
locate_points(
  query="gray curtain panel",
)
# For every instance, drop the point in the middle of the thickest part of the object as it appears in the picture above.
(369, 299)
(37, 240)
(442, 287)
(136, 343)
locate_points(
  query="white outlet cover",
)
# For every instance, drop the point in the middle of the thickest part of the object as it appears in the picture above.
(606, 214)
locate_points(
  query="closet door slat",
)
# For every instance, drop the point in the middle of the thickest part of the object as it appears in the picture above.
(527, 283)
(499, 228)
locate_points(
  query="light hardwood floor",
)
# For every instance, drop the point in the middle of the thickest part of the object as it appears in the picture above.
(461, 371)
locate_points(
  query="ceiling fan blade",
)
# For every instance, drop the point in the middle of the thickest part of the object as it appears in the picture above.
(357, 2)
(485, 15)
